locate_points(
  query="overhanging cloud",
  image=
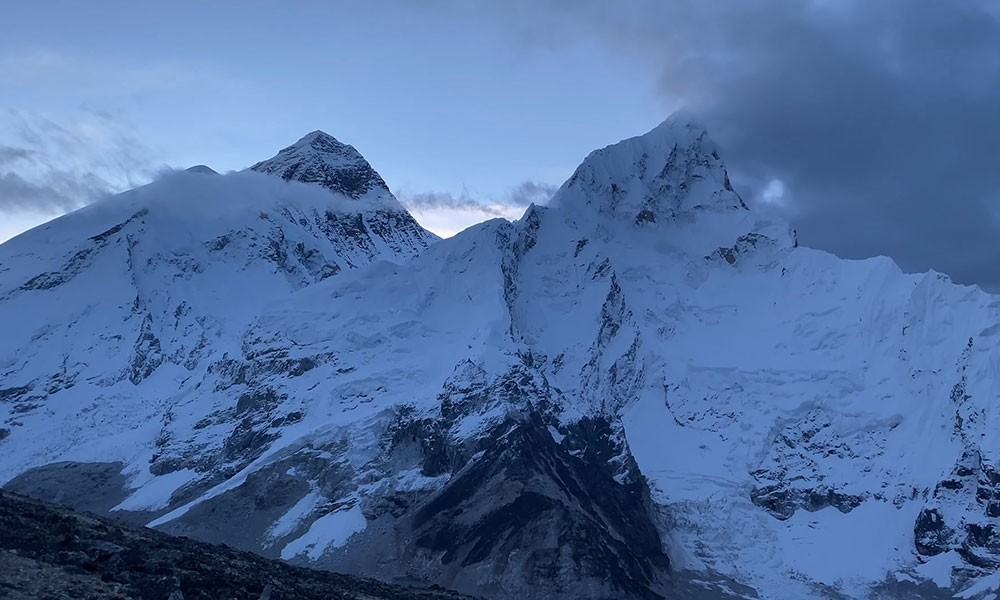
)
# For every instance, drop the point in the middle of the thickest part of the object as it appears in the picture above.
(877, 120)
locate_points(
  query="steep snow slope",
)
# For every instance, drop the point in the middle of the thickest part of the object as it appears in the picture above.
(108, 311)
(643, 390)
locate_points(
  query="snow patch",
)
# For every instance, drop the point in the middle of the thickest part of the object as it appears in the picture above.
(155, 494)
(983, 585)
(295, 515)
(938, 568)
(329, 531)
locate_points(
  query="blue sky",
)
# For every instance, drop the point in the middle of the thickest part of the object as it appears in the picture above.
(870, 126)
(436, 101)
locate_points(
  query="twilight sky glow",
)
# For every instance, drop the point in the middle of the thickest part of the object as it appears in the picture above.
(871, 126)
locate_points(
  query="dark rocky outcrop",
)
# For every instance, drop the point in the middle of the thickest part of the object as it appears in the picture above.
(91, 487)
(54, 553)
(782, 502)
(538, 514)
(930, 533)
(320, 159)
(974, 486)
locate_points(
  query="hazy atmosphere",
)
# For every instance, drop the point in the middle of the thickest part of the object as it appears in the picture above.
(869, 125)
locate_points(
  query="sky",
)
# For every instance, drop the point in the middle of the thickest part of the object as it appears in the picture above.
(871, 126)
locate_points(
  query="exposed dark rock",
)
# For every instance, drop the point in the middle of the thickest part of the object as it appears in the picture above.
(782, 502)
(93, 487)
(319, 158)
(901, 589)
(745, 245)
(799, 446)
(533, 513)
(12, 394)
(102, 237)
(645, 216)
(974, 485)
(424, 440)
(147, 354)
(395, 228)
(53, 553)
(930, 533)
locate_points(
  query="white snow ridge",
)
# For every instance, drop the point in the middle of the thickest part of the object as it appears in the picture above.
(642, 390)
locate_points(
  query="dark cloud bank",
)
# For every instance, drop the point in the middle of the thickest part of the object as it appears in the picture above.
(881, 119)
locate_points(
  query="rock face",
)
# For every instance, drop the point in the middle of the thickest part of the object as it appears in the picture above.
(320, 159)
(529, 512)
(642, 390)
(48, 552)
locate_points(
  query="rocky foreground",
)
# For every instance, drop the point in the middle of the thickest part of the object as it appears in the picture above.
(55, 553)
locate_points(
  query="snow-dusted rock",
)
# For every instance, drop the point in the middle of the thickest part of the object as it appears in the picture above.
(641, 390)
(111, 314)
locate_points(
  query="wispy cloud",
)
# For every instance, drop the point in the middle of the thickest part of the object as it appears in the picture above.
(519, 197)
(425, 201)
(445, 213)
(9, 154)
(54, 167)
(532, 192)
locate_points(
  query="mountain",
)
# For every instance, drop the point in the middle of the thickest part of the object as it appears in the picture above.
(641, 390)
(112, 312)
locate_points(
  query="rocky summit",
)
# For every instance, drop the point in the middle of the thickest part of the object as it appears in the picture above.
(644, 389)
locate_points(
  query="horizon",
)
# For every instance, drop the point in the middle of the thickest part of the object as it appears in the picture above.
(421, 209)
(471, 111)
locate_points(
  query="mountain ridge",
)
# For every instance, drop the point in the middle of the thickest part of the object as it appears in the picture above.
(643, 364)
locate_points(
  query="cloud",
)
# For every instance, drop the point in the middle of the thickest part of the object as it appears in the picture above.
(424, 201)
(519, 197)
(876, 120)
(62, 192)
(446, 214)
(10, 154)
(57, 167)
(532, 192)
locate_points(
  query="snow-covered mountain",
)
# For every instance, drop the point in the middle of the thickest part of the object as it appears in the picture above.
(111, 311)
(643, 390)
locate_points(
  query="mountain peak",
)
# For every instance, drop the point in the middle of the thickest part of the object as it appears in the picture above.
(681, 129)
(674, 168)
(321, 159)
(202, 170)
(322, 141)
